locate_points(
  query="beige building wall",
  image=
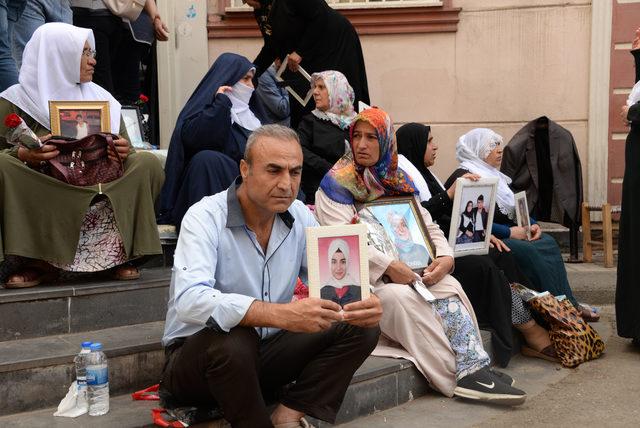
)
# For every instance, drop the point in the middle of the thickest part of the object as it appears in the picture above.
(506, 65)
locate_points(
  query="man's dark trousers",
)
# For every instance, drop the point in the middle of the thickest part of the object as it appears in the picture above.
(241, 373)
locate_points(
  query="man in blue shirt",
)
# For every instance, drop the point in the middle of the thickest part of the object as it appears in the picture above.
(232, 335)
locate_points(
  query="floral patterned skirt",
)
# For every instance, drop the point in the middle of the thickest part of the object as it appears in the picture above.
(100, 245)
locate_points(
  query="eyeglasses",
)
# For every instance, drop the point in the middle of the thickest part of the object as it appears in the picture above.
(89, 53)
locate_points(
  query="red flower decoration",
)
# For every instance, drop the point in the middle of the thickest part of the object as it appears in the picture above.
(12, 120)
(143, 98)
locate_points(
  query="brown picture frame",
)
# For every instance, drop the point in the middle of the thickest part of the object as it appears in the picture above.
(58, 109)
(379, 208)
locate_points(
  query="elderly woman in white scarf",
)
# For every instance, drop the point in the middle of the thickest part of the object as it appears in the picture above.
(50, 225)
(210, 136)
(480, 152)
(342, 287)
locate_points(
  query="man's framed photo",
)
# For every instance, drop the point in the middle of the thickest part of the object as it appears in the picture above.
(133, 122)
(338, 263)
(400, 218)
(296, 83)
(522, 212)
(77, 119)
(472, 216)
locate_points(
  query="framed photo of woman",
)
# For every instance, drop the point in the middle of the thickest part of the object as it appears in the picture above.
(77, 119)
(400, 218)
(522, 212)
(472, 216)
(338, 263)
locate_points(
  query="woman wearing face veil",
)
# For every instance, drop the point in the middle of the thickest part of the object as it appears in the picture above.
(342, 287)
(210, 136)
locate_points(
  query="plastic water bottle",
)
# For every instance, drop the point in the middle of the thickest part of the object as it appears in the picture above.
(81, 374)
(97, 381)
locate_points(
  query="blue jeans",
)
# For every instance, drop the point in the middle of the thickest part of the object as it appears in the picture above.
(36, 13)
(10, 11)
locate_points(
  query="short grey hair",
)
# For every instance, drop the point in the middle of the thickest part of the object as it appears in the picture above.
(277, 132)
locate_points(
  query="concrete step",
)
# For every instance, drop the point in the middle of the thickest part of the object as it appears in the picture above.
(592, 283)
(83, 304)
(36, 373)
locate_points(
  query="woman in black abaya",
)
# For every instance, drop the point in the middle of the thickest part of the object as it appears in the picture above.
(628, 287)
(316, 37)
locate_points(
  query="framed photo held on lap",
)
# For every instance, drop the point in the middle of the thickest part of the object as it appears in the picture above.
(472, 216)
(400, 218)
(77, 119)
(338, 263)
(522, 212)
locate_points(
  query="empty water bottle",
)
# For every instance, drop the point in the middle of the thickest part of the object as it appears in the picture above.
(81, 374)
(97, 381)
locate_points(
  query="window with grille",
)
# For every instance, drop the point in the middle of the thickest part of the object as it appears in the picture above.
(237, 5)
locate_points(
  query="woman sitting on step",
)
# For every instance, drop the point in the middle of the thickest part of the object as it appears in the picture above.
(479, 151)
(440, 337)
(210, 136)
(50, 223)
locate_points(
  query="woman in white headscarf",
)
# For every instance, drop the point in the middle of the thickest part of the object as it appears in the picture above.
(480, 152)
(342, 287)
(54, 225)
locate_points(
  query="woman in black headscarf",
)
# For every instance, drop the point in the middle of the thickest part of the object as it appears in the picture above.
(485, 279)
(210, 136)
(316, 37)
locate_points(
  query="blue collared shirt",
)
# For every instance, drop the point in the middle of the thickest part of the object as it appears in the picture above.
(219, 267)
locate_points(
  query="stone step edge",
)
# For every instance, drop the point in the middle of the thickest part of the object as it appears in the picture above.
(149, 278)
(61, 349)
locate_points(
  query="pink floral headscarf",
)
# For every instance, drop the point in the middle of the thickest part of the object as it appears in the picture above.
(341, 97)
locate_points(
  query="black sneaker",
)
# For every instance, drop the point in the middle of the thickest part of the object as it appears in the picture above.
(486, 386)
(503, 377)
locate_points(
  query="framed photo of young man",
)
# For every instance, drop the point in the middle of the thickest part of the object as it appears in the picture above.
(338, 263)
(77, 119)
(522, 212)
(472, 216)
(400, 218)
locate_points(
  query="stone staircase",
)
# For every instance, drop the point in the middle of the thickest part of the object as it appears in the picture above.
(41, 329)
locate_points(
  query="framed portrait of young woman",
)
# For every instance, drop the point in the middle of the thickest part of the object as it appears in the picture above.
(338, 263)
(522, 212)
(405, 230)
(77, 119)
(472, 216)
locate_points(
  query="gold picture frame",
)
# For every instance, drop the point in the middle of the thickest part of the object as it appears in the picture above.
(406, 209)
(77, 119)
(325, 273)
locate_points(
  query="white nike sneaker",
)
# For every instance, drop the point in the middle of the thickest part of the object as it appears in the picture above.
(483, 385)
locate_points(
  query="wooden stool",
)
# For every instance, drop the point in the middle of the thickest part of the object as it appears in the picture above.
(607, 232)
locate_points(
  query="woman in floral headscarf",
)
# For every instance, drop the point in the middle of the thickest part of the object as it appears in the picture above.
(479, 151)
(441, 337)
(323, 132)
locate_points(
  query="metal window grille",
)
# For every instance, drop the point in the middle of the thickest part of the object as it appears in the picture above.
(235, 5)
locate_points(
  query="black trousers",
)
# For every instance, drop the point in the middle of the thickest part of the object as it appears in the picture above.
(242, 373)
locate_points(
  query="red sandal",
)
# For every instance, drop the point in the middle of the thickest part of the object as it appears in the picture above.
(30, 277)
